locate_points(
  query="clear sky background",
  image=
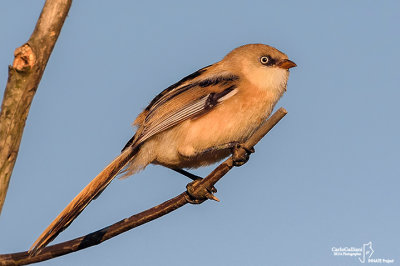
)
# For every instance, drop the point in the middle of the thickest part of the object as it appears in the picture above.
(326, 176)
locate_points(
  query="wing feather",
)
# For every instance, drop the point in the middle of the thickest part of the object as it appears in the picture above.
(189, 98)
(189, 111)
(175, 118)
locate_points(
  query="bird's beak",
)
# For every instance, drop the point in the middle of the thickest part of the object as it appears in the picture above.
(286, 64)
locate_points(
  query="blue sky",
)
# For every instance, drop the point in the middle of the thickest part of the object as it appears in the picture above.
(326, 176)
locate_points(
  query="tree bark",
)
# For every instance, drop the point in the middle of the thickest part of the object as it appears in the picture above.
(24, 75)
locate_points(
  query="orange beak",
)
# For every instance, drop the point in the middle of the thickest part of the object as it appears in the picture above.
(286, 64)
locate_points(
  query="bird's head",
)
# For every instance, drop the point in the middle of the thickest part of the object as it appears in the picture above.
(263, 65)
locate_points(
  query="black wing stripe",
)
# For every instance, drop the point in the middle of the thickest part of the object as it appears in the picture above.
(176, 85)
(224, 80)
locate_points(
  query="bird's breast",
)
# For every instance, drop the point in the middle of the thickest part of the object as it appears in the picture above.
(234, 120)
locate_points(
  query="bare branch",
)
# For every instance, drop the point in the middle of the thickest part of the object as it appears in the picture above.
(23, 80)
(198, 192)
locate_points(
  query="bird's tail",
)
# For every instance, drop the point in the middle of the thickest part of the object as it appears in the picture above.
(79, 203)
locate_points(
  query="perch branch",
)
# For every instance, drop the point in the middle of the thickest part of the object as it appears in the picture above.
(199, 192)
(24, 76)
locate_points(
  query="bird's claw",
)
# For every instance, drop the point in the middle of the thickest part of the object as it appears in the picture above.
(198, 193)
(241, 154)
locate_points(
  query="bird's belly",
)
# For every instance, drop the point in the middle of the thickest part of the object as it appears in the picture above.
(202, 141)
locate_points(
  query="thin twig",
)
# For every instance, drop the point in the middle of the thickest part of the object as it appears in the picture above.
(23, 80)
(199, 192)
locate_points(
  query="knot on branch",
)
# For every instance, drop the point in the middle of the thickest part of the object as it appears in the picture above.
(24, 58)
(199, 191)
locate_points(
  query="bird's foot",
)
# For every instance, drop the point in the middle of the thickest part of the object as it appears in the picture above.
(198, 192)
(241, 154)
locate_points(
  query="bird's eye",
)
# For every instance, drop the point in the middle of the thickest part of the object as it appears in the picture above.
(264, 60)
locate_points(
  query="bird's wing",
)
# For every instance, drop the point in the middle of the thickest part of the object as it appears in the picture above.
(184, 93)
(187, 101)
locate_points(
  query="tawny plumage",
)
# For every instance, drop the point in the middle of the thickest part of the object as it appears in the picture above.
(194, 122)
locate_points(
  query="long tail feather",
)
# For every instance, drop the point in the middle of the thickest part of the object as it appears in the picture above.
(79, 203)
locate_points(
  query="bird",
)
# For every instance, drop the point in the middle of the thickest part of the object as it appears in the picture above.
(195, 122)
